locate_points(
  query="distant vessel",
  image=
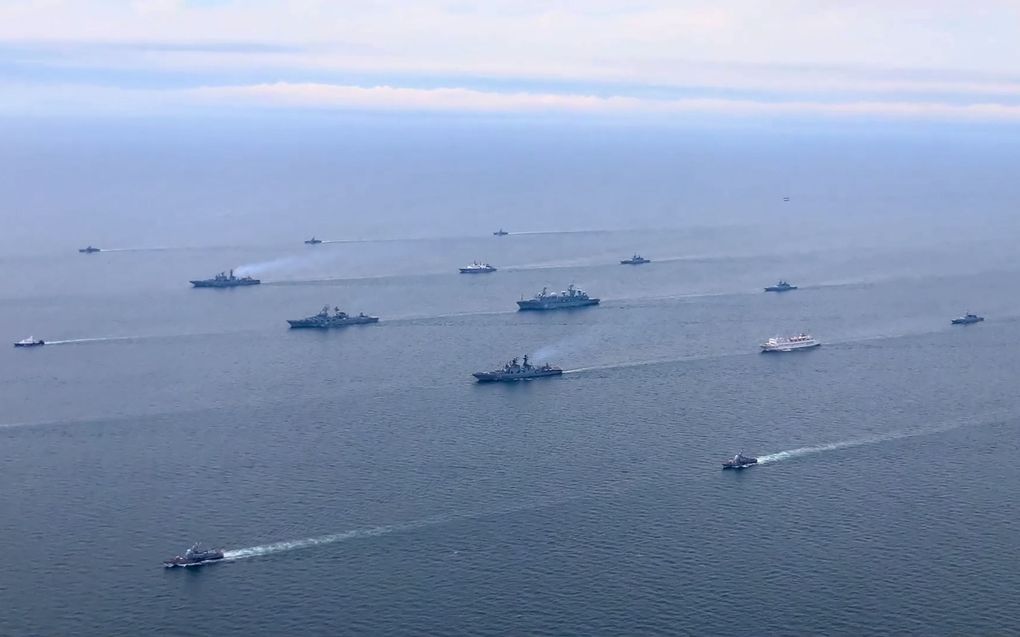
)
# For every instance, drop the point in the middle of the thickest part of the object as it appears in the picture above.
(194, 556)
(740, 461)
(313, 241)
(501, 233)
(30, 342)
(967, 319)
(224, 280)
(545, 300)
(514, 371)
(89, 250)
(637, 259)
(477, 268)
(782, 286)
(789, 343)
(324, 319)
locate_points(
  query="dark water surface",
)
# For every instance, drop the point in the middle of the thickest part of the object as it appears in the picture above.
(362, 484)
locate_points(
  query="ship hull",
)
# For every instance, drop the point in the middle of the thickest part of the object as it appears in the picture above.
(496, 377)
(630, 262)
(966, 322)
(235, 284)
(775, 289)
(737, 467)
(305, 324)
(36, 344)
(477, 270)
(185, 563)
(531, 304)
(781, 349)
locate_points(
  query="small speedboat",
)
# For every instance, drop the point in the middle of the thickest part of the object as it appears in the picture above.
(967, 319)
(89, 250)
(740, 461)
(30, 342)
(195, 556)
(313, 241)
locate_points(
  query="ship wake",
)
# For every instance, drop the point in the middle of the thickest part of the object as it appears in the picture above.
(92, 340)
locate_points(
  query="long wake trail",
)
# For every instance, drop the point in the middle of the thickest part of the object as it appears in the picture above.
(93, 340)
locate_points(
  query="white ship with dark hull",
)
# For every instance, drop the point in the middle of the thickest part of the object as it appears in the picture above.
(545, 300)
(224, 280)
(325, 320)
(477, 268)
(514, 371)
(30, 342)
(789, 343)
(195, 556)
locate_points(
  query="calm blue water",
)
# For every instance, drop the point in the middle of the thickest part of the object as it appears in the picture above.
(363, 484)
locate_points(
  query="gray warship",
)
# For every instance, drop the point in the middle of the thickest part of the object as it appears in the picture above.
(545, 300)
(637, 259)
(224, 280)
(325, 320)
(740, 461)
(967, 319)
(514, 371)
(194, 556)
(89, 250)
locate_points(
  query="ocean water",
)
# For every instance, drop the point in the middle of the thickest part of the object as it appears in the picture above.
(361, 483)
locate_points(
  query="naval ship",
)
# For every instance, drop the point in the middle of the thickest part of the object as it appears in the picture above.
(967, 319)
(501, 233)
(89, 250)
(325, 320)
(30, 342)
(545, 300)
(477, 268)
(313, 241)
(194, 556)
(740, 461)
(782, 286)
(224, 280)
(789, 343)
(514, 371)
(637, 259)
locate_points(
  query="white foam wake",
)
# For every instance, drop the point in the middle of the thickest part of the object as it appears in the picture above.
(92, 340)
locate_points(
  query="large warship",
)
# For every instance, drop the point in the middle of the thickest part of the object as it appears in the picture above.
(782, 286)
(514, 371)
(194, 556)
(967, 319)
(637, 259)
(224, 280)
(325, 320)
(545, 300)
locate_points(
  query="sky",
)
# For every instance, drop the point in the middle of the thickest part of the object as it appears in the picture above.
(912, 60)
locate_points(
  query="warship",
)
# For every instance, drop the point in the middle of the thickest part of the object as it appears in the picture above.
(30, 342)
(514, 371)
(224, 280)
(195, 556)
(325, 320)
(782, 286)
(313, 241)
(637, 259)
(477, 268)
(967, 319)
(789, 343)
(545, 300)
(501, 233)
(89, 250)
(740, 461)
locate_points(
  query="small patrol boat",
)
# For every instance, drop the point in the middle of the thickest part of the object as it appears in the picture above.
(89, 250)
(637, 259)
(740, 461)
(782, 286)
(313, 241)
(195, 556)
(967, 319)
(30, 342)
(477, 268)
(501, 233)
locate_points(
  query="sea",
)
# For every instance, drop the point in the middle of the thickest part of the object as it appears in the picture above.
(361, 483)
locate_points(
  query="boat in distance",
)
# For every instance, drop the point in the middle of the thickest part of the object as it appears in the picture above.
(514, 371)
(30, 342)
(789, 343)
(224, 280)
(501, 233)
(195, 556)
(967, 319)
(325, 320)
(477, 268)
(740, 461)
(546, 300)
(313, 241)
(782, 286)
(637, 259)
(89, 250)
